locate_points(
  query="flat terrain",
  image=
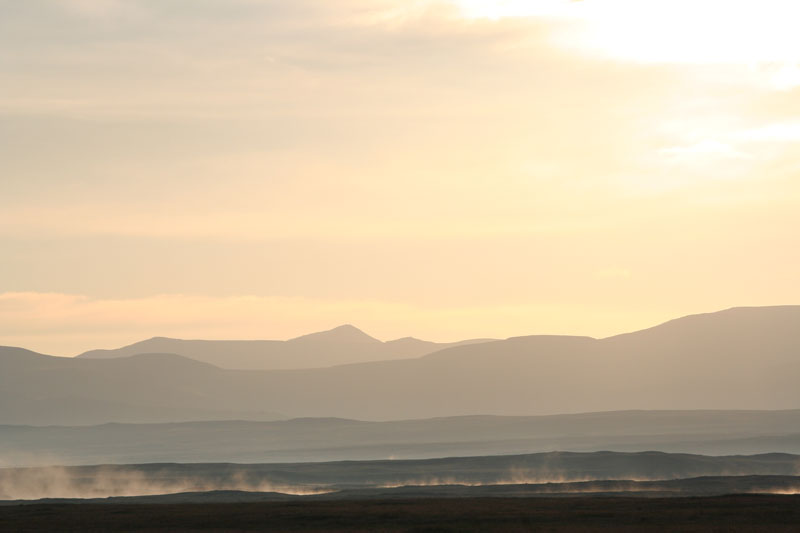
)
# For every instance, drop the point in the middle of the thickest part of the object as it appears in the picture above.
(330, 439)
(728, 513)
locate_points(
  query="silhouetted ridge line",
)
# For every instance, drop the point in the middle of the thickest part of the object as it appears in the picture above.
(736, 359)
(342, 345)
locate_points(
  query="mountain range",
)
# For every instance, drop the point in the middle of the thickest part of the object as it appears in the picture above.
(741, 358)
(341, 345)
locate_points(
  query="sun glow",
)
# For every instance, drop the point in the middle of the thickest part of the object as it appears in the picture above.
(518, 8)
(684, 31)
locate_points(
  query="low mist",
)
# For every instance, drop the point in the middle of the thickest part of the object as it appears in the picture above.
(102, 482)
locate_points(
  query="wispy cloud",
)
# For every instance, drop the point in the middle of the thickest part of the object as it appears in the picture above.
(456, 155)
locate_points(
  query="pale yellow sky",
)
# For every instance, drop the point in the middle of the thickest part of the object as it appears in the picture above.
(262, 169)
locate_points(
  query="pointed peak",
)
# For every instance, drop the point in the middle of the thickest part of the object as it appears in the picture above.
(152, 340)
(406, 340)
(346, 333)
(347, 327)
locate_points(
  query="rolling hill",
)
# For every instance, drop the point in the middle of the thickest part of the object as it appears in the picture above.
(741, 358)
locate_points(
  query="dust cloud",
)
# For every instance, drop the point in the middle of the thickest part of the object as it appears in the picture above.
(102, 482)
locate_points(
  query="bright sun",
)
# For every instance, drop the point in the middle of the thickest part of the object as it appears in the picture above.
(514, 8)
(686, 31)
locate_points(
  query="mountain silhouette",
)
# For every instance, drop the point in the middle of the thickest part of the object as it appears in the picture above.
(342, 345)
(342, 334)
(742, 358)
(41, 389)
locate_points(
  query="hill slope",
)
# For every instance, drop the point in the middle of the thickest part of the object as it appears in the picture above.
(735, 359)
(41, 389)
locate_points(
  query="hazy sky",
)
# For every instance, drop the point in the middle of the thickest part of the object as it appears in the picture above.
(442, 169)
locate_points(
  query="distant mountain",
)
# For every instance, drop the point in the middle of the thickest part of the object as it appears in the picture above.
(346, 334)
(41, 389)
(343, 345)
(742, 358)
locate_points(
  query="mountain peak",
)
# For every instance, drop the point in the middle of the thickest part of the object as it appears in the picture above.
(346, 333)
(407, 340)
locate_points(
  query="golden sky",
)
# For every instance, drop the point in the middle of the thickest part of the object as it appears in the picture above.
(441, 169)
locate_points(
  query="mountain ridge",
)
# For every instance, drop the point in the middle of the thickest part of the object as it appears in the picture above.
(344, 344)
(753, 365)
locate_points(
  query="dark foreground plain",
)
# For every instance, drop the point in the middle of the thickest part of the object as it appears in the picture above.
(739, 513)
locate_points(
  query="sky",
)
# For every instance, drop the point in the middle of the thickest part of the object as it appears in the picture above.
(444, 169)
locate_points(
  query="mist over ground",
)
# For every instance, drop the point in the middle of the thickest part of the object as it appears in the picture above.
(332, 477)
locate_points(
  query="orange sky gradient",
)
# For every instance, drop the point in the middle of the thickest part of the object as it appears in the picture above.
(441, 169)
